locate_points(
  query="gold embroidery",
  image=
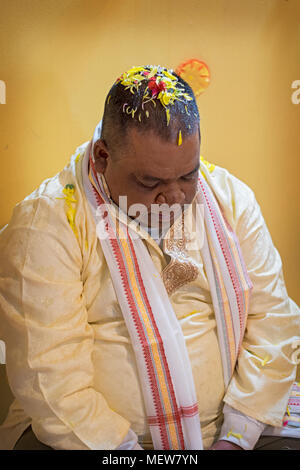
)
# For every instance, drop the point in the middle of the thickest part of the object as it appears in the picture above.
(181, 269)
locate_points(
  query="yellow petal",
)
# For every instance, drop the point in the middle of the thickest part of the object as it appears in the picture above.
(152, 73)
(166, 98)
(234, 434)
(179, 138)
(168, 116)
(265, 360)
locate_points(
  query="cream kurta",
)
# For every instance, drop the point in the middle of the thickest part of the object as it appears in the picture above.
(70, 362)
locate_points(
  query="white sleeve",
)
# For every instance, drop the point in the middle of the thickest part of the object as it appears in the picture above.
(130, 442)
(240, 428)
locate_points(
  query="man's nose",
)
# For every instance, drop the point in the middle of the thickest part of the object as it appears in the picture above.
(171, 195)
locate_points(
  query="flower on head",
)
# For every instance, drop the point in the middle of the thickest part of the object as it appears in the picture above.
(156, 87)
(160, 85)
(165, 98)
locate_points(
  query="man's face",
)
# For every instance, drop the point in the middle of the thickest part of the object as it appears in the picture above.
(149, 170)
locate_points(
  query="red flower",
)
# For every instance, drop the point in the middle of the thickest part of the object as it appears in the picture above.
(162, 86)
(155, 87)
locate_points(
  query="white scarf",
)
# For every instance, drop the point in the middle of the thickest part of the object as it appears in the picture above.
(157, 339)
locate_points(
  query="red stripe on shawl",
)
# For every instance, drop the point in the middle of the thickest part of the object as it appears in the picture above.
(223, 242)
(246, 277)
(140, 332)
(177, 412)
(185, 412)
(142, 339)
(160, 415)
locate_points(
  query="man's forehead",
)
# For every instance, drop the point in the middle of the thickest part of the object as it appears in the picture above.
(150, 157)
(165, 173)
(150, 147)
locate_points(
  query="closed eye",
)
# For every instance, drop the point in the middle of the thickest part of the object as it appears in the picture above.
(147, 186)
(191, 175)
(150, 186)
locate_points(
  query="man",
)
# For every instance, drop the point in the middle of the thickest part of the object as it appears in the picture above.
(132, 326)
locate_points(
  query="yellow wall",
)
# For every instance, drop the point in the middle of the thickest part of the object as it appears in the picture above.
(58, 59)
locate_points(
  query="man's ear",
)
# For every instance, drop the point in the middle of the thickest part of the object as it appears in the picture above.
(101, 155)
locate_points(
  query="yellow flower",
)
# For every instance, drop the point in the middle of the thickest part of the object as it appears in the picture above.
(69, 191)
(165, 98)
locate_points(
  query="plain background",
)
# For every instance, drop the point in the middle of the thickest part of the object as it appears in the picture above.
(58, 59)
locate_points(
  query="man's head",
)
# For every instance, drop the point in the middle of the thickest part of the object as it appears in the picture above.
(150, 139)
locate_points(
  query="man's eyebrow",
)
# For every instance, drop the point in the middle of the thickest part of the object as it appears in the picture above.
(155, 178)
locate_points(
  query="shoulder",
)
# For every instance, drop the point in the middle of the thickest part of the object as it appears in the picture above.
(53, 213)
(235, 197)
